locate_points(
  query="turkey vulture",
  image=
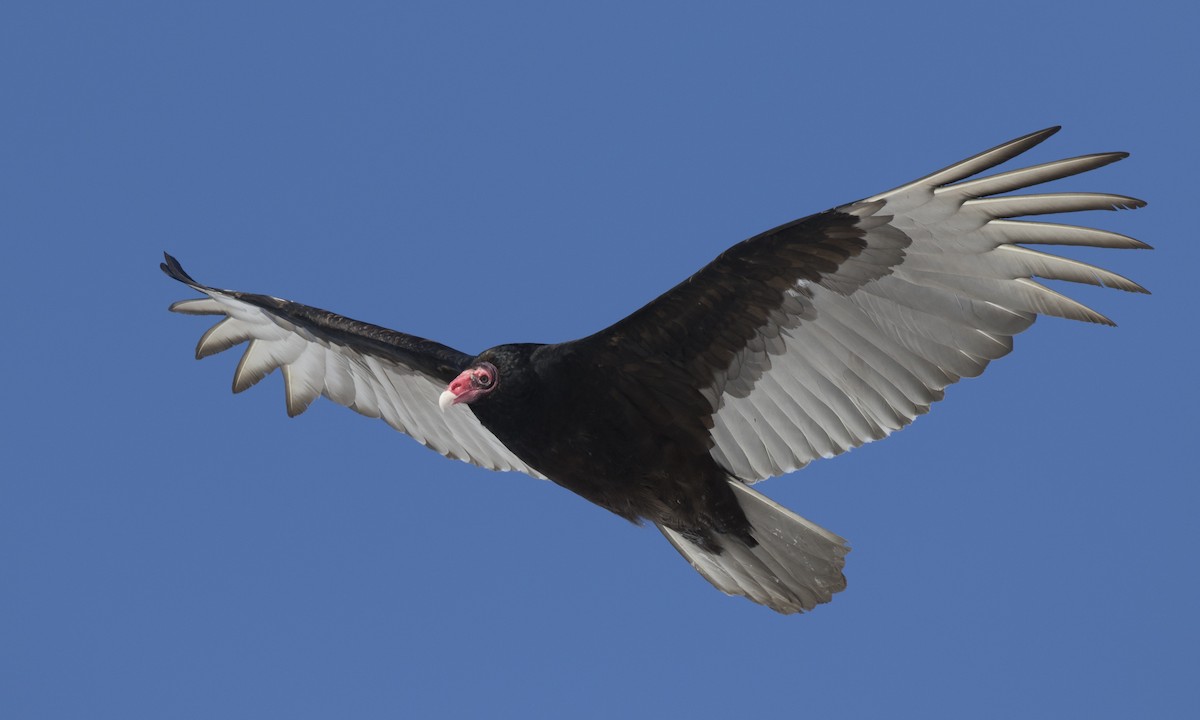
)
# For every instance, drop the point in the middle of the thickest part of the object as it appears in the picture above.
(799, 343)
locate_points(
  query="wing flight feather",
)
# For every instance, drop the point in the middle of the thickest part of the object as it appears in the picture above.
(371, 370)
(842, 327)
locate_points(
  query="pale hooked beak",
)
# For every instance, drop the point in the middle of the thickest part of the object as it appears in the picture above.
(466, 388)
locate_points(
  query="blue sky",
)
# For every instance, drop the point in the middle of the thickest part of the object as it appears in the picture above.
(482, 173)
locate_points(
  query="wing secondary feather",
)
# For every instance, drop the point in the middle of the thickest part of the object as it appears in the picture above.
(374, 371)
(840, 328)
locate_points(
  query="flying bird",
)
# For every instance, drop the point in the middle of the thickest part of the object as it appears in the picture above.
(799, 343)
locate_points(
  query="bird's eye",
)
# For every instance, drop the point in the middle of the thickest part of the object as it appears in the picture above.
(483, 378)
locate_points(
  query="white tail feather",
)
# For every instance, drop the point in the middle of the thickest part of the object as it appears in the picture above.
(795, 566)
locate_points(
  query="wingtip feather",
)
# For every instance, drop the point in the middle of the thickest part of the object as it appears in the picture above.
(174, 270)
(1038, 136)
(1124, 202)
(196, 306)
(976, 163)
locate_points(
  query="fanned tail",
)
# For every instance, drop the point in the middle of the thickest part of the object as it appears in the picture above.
(795, 566)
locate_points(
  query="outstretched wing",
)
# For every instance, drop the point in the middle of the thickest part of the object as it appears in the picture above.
(372, 370)
(839, 328)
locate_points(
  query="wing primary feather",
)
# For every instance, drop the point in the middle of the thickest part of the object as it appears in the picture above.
(1043, 233)
(175, 271)
(976, 163)
(1012, 206)
(1049, 302)
(197, 306)
(1056, 267)
(222, 336)
(252, 367)
(300, 379)
(1028, 176)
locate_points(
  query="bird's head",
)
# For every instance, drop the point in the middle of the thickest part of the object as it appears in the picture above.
(472, 384)
(503, 376)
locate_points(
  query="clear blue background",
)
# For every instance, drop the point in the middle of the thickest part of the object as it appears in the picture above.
(490, 172)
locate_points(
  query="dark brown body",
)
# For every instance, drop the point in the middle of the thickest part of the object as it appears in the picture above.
(555, 419)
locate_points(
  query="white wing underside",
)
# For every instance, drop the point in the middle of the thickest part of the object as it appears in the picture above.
(375, 386)
(844, 363)
(840, 364)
